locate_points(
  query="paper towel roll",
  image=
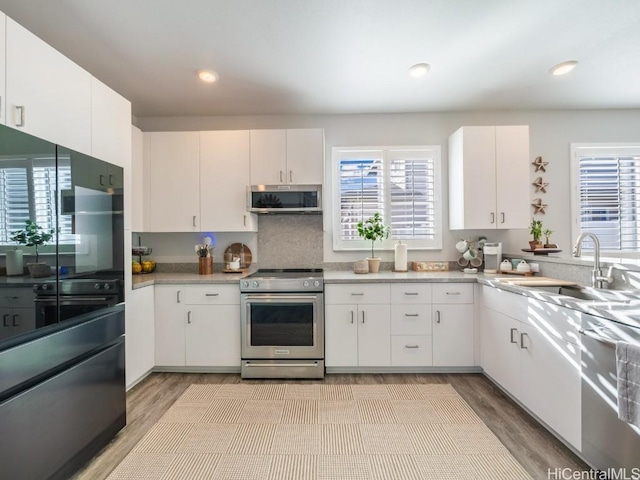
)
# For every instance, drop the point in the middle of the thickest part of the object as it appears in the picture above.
(400, 257)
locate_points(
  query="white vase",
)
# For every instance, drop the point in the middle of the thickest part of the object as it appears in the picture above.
(15, 265)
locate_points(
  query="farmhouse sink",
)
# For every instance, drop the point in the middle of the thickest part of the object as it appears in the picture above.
(593, 295)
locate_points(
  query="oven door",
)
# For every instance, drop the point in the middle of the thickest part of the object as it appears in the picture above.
(282, 326)
(49, 311)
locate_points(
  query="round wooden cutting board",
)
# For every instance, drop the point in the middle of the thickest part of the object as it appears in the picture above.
(235, 250)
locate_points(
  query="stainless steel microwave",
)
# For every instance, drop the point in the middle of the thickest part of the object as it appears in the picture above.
(284, 199)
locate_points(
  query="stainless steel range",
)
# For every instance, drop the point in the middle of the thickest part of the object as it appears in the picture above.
(282, 318)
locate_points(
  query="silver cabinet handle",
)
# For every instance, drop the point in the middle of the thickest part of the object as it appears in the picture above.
(453, 293)
(189, 317)
(411, 315)
(493, 217)
(101, 180)
(513, 330)
(19, 114)
(411, 293)
(437, 316)
(15, 324)
(351, 316)
(522, 335)
(194, 220)
(502, 214)
(280, 176)
(5, 318)
(211, 294)
(290, 176)
(357, 294)
(244, 219)
(110, 179)
(363, 316)
(412, 346)
(178, 297)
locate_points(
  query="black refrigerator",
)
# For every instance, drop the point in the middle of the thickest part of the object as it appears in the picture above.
(62, 383)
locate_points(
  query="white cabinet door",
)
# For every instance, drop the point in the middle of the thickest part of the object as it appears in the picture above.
(169, 326)
(550, 369)
(512, 176)
(47, 94)
(3, 59)
(139, 329)
(305, 156)
(212, 336)
(225, 158)
(453, 335)
(341, 335)
(110, 125)
(500, 350)
(374, 335)
(268, 157)
(174, 187)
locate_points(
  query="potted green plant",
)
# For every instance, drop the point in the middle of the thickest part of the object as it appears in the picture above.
(547, 239)
(373, 229)
(32, 235)
(536, 230)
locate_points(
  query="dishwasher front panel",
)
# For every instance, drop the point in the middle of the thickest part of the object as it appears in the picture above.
(607, 442)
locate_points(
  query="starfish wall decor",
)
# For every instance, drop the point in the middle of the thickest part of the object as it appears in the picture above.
(541, 185)
(540, 164)
(539, 206)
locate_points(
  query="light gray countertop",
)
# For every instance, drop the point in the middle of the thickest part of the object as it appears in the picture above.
(346, 276)
(140, 281)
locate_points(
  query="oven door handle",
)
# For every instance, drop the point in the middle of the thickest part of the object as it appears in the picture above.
(281, 297)
(249, 364)
(70, 298)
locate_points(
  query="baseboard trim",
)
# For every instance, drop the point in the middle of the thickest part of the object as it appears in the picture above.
(403, 370)
(139, 379)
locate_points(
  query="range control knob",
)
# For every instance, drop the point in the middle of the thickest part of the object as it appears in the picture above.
(316, 283)
(254, 284)
(96, 286)
(45, 287)
(107, 286)
(305, 283)
(245, 284)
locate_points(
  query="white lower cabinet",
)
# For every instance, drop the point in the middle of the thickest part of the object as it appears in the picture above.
(357, 334)
(198, 326)
(453, 325)
(140, 338)
(535, 357)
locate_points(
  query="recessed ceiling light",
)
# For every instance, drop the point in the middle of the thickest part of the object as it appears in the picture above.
(208, 76)
(419, 70)
(562, 68)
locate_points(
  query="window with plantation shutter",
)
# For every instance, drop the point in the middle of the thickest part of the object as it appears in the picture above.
(401, 183)
(607, 184)
(14, 201)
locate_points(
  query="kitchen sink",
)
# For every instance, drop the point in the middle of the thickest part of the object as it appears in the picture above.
(592, 295)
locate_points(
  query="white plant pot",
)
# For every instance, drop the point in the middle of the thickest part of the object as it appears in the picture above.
(15, 264)
(374, 264)
(38, 270)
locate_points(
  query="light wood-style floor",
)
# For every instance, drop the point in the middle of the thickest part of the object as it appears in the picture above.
(530, 443)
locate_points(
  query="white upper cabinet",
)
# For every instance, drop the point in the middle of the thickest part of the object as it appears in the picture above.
(47, 95)
(3, 63)
(287, 156)
(225, 158)
(110, 125)
(174, 181)
(136, 186)
(489, 178)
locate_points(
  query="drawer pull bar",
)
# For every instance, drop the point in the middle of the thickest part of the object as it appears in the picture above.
(411, 293)
(412, 346)
(249, 364)
(453, 293)
(411, 315)
(211, 294)
(357, 294)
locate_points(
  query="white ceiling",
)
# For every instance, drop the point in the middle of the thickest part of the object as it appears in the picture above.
(347, 56)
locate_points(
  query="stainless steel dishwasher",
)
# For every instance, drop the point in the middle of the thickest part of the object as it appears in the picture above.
(607, 442)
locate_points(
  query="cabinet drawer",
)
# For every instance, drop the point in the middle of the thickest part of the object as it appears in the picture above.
(410, 293)
(357, 294)
(410, 319)
(212, 295)
(453, 293)
(411, 351)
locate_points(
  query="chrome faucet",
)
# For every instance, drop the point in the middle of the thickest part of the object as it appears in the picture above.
(597, 280)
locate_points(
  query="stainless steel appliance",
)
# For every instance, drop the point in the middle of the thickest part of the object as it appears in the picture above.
(282, 321)
(607, 442)
(492, 253)
(284, 199)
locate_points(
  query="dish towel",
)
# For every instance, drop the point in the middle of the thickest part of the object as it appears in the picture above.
(628, 370)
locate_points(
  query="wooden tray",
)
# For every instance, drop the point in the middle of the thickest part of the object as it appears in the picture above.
(514, 272)
(542, 251)
(234, 250)
(228, 270)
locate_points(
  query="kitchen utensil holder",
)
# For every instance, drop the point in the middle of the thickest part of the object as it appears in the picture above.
(205, 265)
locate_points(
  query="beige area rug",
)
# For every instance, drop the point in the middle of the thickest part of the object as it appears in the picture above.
(318, 431)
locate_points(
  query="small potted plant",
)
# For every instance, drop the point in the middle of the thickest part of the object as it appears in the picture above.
(34, 236)
(536, 231)
(373, 229)
(547, 239)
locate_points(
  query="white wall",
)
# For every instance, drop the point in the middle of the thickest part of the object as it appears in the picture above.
(551, 134)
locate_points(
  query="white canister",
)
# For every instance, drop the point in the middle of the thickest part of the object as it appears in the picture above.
(14, 262)
(400, 257)
(506, 266)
